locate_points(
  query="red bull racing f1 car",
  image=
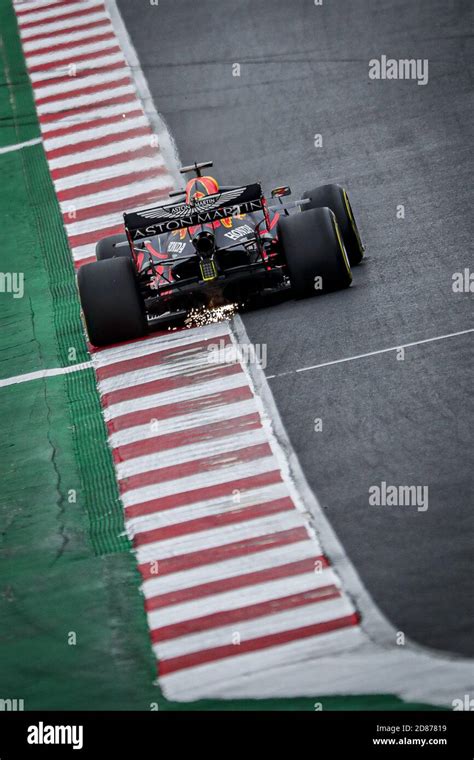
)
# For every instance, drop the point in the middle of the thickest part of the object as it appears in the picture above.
(212, 246)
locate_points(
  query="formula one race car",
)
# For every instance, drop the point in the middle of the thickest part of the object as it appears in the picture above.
(216, 245)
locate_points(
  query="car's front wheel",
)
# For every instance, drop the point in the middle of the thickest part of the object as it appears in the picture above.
(111, 301)
(107, 248)
(337, 199)
(314, 252)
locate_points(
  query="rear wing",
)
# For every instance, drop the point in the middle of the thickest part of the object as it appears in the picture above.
(210, 208)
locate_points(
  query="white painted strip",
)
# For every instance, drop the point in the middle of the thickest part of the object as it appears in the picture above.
(119, 149)
(84, 135)
(44, 373)
(106, 172)
(157, 429)
(70, 102)
(206, 387)
(211, 539)
(183, 347)
(202, 480)
(224, 504)
(174, 339)
(151, 185)
(81, 35)
(196, 362)
(232, 600)
(63, 56)
(20, 146)
(33, 5)
(91, 64)
(310, 614)
(81, 252)
(84, 117)
(73, 83)
(182, 344)
(176, 395)
(38, 15)
(373, 353)
(224, 446)
(97, 223)
(54, 26)
(346, 664)
(216, 571)
(282, 670)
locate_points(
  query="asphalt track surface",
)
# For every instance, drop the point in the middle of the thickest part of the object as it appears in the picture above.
(304, 71)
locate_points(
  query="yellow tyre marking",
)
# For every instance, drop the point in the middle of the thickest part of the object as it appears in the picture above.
(341, 246)
(353, 221)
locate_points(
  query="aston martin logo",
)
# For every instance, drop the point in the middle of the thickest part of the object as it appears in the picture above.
(182, 210)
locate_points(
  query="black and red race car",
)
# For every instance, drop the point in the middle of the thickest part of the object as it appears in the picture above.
(216, 245)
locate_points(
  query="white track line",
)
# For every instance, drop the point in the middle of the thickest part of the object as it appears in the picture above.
(371, 353)
(43, 373)
(20, 146)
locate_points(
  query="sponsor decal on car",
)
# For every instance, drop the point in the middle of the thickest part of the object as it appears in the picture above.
(175, 247)
(239, 232)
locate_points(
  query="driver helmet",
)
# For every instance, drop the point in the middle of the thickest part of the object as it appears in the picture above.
(198, 187)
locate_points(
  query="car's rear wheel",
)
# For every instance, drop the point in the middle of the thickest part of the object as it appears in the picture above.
(107, 248)
(337, 199)
(314, 252)
(111, 301)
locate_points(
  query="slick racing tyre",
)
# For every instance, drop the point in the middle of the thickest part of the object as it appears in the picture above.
(314, 252)
(336, 198)
(111, 301)
(106, 248)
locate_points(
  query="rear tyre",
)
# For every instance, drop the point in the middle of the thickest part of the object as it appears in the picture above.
(106, 248)
(314, 252)
(111, 301)
(337, 199)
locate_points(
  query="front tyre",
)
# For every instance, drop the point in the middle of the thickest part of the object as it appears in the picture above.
(111, 301)
(107, 248)
(314, 252)
(337, 199)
